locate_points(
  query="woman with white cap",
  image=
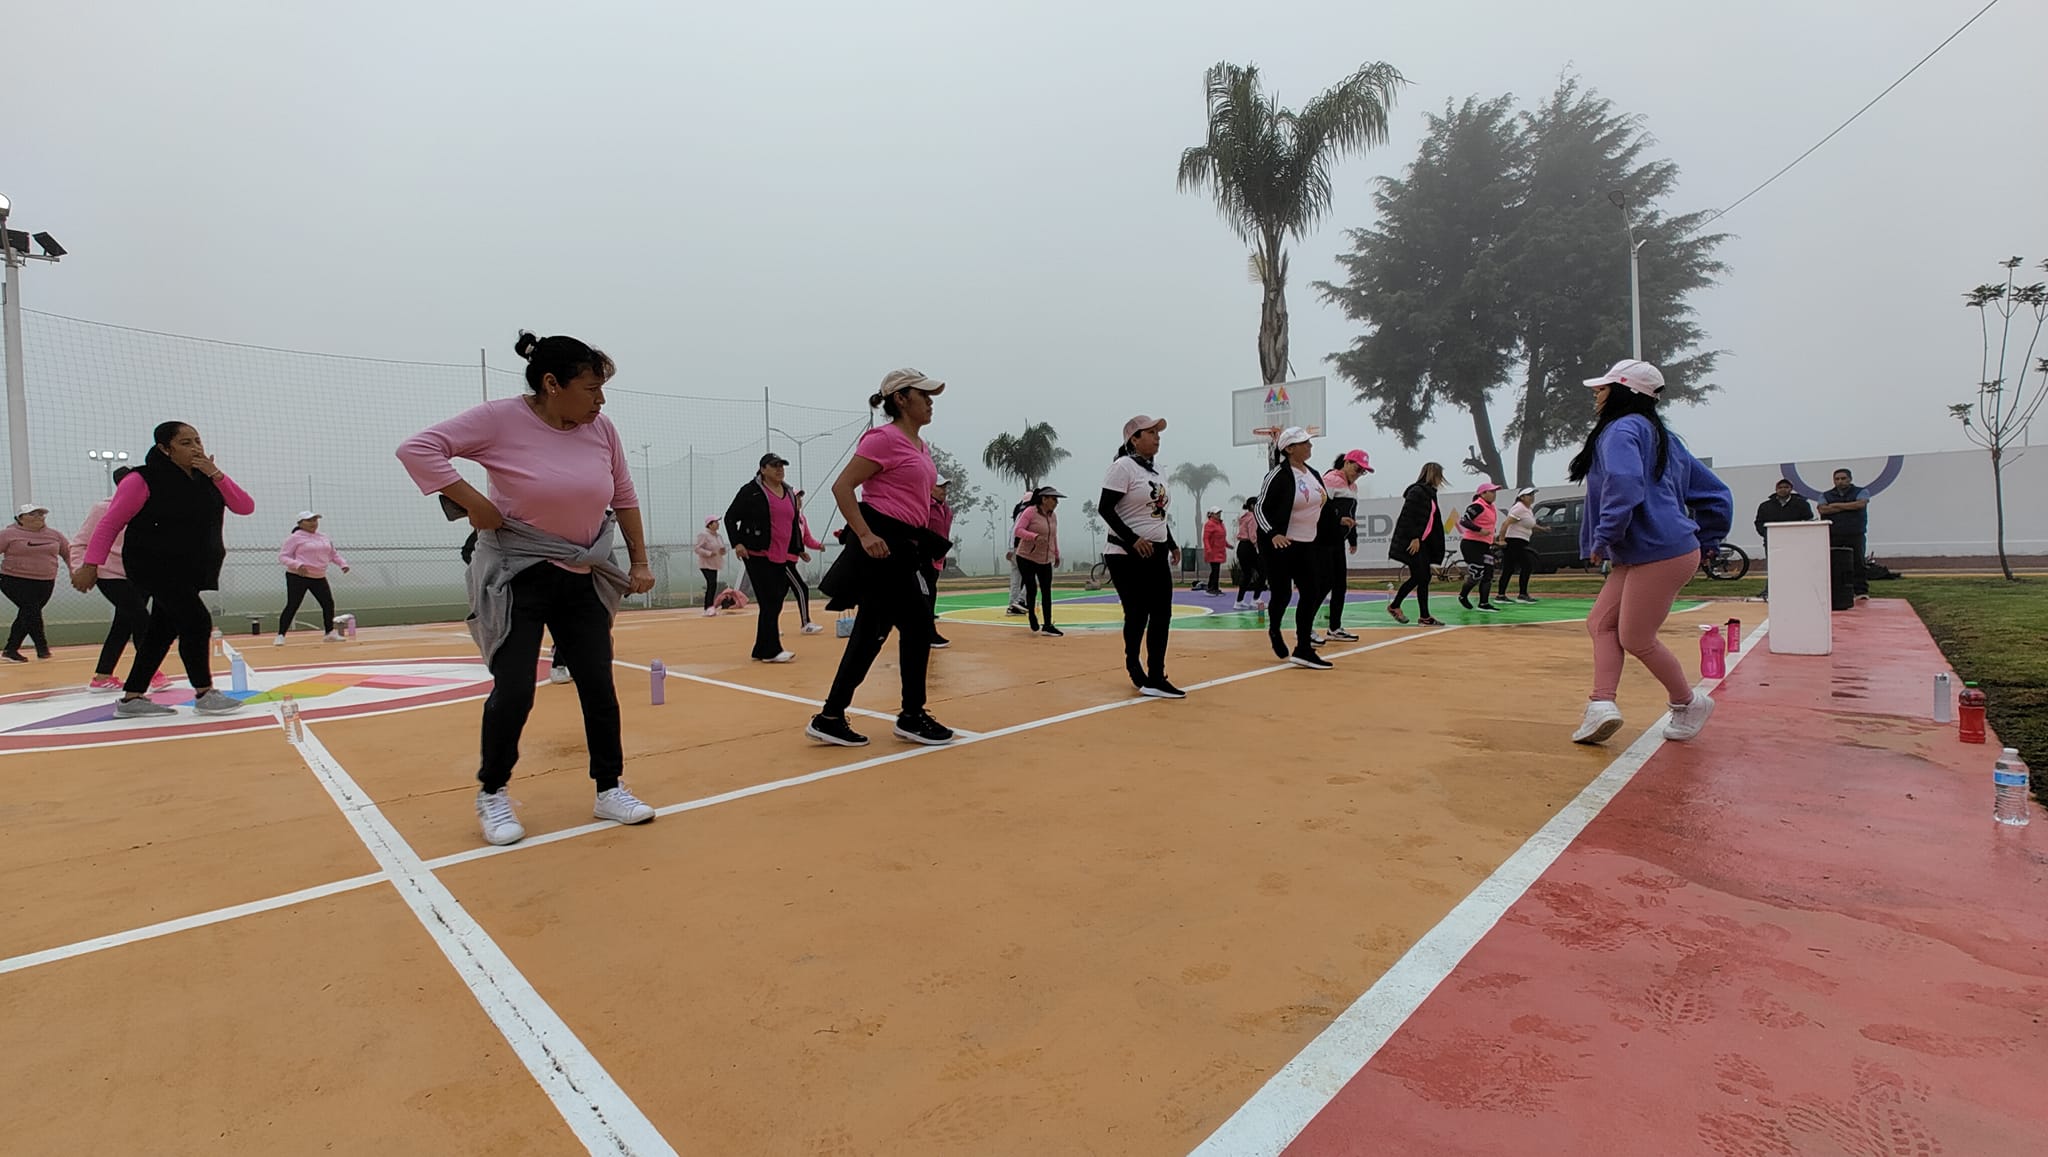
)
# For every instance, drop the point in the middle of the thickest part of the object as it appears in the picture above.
(1341, 482)
(710, 552)
(306, 555)
(1038, 552)
(1517, 527)
(1215, 548)
(30, 551)
(1478, 536)
(1141, 553)
(1291, 504)
(1653, 511)
(885, 496)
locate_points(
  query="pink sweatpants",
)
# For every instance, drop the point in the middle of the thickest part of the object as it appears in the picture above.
(1633, 603)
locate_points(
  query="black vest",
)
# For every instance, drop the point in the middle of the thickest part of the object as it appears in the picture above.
(174, 541)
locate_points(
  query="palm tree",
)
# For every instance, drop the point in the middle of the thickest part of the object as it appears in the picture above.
(1195, 479)
(1094, 520)
(1268, 168)
(1027, 456)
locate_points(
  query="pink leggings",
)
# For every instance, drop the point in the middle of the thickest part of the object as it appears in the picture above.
(1633, 603)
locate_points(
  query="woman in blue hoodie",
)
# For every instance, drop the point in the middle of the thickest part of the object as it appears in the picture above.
(1652, 510)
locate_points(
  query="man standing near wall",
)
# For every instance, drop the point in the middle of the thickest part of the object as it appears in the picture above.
(1846, 509)
(1784, 505)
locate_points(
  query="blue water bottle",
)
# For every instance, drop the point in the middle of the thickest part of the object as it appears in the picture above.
(657, 689)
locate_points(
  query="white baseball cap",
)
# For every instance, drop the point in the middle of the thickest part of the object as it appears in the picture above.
(1292, 436)
(31, 508)
(1634, 374)
(306, 514)
(942, 480)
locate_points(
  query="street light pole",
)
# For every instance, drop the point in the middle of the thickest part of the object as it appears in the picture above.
(107, 459)
(799, 449)
(1635, 291)
(12, 254)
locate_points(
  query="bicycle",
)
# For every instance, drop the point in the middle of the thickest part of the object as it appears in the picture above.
(1727, 564)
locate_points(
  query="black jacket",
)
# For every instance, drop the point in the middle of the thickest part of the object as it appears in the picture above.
(746, 520)
(1771, 510)
(174, 541)
(857, 577)
(1414, 523)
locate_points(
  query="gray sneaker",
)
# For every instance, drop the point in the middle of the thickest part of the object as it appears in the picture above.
(141, 709)
(212, 702)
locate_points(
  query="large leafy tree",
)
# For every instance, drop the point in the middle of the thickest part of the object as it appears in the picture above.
(1518, 233)
(1027, 456)
(1268, 168)
(1196, 479)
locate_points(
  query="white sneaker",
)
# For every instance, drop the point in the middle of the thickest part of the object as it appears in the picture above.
(619, 805)
(494, 815)
(331, 637)
(215, 703)
(277, 642)
(1602, 720)
(558, 673)
(812, 628)
(1687, 721)
(710, 612)
(1238, 605)
(782, 657)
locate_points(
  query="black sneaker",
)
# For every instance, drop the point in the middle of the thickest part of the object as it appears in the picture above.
(1161, 689)
(1279, 644)
(1465, 602)
(1016, 610)
(1055, 632)
(1136, 673)
(920, 727)
(1489, 608)
(1307, 658)
(13, 656)
(940, 642)
(834, 729)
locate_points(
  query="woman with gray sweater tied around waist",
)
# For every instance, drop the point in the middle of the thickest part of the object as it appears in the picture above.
(543, 558)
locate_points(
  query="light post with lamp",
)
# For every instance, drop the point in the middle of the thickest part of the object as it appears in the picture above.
(1635, 293)
(799, 450)
(14, 251)
(109, 459)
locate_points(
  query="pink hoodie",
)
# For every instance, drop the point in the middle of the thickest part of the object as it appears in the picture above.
(112, 567)
(308, 552)
(1039, 535)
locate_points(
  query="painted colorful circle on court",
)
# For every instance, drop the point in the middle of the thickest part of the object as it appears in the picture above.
(1201, 611)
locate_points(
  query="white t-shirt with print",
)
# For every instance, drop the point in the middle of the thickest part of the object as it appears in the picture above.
(1143, 502)
(1309, 496)
(1521, 522)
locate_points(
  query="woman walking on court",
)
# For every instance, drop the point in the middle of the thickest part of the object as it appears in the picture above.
(1251, 581)
(1141, 553)
(1038, 551)
(1215, 548)
(1653, 511)
(1478, 536)
(543, 558)
(131, 610)
(1418, 541)
(762, 519)
(306, 555)
(171, 509)
(885, 496)
(710, 552)
(1290, 506)
(1341, 482)
(1518, 526)
(30, 551)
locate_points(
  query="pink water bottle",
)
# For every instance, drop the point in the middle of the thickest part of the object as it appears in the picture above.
(657, 683)
(1712, 653)
(1734, 635)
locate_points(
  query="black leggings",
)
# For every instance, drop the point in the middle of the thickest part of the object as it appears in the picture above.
(1418, 581)
(710, 586)
(1249, 576)
(898, 597)
(1478, 571)
(1145, 588)
(566, 605)
(131, 621)
(29, 597)
(1215, 577)
(296, 588)
(176, 615)
(1519, 561)
(800, 592)
(1299, 567)
(771, 586)
(1037, 587)
(1339, 579)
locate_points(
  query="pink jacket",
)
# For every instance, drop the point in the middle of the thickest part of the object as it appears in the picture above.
(112, 567)
(310, 553)
(1038, 535)
(1248, 527)
(710, 551)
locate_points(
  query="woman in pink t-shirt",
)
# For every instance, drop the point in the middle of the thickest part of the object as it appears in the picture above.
(557, 465)
(889, 577)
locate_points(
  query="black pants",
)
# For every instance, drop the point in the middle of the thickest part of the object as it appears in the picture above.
(1145, 588)
(1478, 571)
(1299, 569)
(771, 586)
(801, 590)
(1519, 561)
(1249, 577)
(899, 598)
(1418, 581)
(1339, 578)
(544, 596)
(29, 596)
(1859, 547)
(296, 588)
(710, 586)
(1037, 587)
(176, 615)
(131, 622)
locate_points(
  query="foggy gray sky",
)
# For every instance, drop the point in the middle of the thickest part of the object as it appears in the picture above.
(804, 196)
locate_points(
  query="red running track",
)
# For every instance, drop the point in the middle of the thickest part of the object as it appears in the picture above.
(1800, 934)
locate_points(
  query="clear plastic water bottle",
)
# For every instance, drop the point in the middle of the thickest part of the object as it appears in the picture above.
(1944, 699)
(2009, 806)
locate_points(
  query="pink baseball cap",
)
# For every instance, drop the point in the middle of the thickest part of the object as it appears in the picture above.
(1141, 423)
(1487, 488)
(1358, 457)
(1634, 374)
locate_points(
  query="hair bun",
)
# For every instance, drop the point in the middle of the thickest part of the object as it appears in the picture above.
(874, 400)
(526, 344)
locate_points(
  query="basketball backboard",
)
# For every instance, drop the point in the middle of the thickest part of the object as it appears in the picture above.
(1261, 408)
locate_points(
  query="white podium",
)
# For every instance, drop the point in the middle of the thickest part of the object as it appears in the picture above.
(1802, 606)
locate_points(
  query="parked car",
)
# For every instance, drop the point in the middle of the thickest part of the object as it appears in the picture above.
(1556, 541)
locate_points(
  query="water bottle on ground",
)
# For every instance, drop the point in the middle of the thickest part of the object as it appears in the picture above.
(657, 683)
(2009, 774)
(1713, 653)
(1734, 635)
(238, 674)
(1970, 714)
(217, 637)
(1944, 699)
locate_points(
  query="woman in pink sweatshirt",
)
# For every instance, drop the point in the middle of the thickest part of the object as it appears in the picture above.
(1038, 552)
(306, 555)
(131, 608)
(30, 550)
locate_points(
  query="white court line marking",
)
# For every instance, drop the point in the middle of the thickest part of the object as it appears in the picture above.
(182, 923)
(785, 696)
(593, 1105)
(1280, 1110)
(556, 837)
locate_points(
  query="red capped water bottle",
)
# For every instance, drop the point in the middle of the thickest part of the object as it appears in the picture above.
(1734, 635)
(1713, 651)
(1970, 714)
